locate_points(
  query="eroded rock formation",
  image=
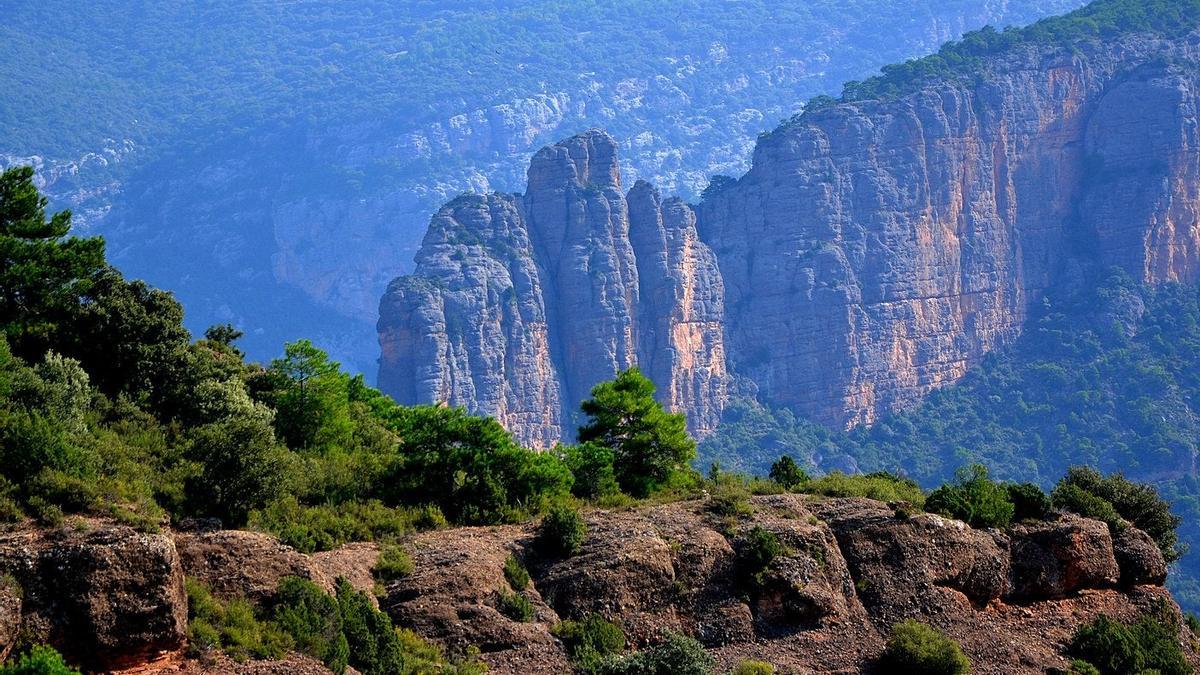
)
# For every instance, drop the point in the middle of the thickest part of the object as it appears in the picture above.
(520, 304)
(850, 570)
(875, 251)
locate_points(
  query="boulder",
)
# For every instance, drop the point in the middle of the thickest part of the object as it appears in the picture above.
(106, 597)
(1055, 559)
(237, 564)
(1138, 557)
(451, 598)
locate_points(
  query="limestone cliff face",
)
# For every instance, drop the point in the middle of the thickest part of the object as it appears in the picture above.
(521, 304)
(875, 251)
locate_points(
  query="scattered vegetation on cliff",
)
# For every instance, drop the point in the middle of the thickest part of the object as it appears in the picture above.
(1099, 20)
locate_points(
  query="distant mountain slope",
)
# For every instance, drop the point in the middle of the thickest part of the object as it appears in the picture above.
(275, 163)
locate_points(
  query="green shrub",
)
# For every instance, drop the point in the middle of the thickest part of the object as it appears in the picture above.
(562, 531)
(787, 473)
(393, 563)
(591, 464)
(974, 499)
(309, 529)
(591, 641)
(757, 551)
(1079, 667)
(375, 646)
(676, 655)
(729, 497)
(39, 660)
(879, 485)
(915, 648)
(515, 606)
(313, 620)
(1109, 646)
(516, 574)
(1078, 500)
(752, 667)
(1029, 501)
(231, 627)
(1138, 503)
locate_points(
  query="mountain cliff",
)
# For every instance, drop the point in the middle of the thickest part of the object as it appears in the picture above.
(876, 250)
(521, 303)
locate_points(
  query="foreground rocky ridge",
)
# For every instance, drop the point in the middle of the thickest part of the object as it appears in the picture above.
(875, 251)
(851, 569)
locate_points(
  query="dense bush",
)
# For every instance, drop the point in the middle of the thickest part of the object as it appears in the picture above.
(917, 649)
(676, 655)
(729, 496)
(514, 605)
(232, 627)
(752, 667)
(590, 641)
(313, 620)
(1029, 501)
(1138, 503)
(562, 531)
(393, 563)
(1149, 645)
(591, 465)
(973, 498)
(879, 485)
(39, 660)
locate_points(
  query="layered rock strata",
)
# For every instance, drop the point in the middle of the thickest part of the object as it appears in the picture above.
(520, 304)
(875, 251)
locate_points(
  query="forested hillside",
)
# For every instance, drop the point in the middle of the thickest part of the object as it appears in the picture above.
(275, 163)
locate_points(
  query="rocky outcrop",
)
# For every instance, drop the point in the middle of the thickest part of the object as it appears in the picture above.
(875, 251)
(520, 304)
(106, 597)
(10, 616)
(848, 571)
(878, 249)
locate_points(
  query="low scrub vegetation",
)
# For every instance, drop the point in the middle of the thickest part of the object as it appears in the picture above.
(1151, 644)
(590, 642)
(918, 649)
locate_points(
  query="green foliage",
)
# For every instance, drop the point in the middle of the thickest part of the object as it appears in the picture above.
(470, 467)
(974, 499)
(676, 655)
(515, 573)
(879, 485)
(39, 660)
(1029, 501)
(313, 620)
(751, 436)
(648, 443)
(787, 473)
(43, 272)
(1099, 20)
(231, 627)
(1139, 503)
(729, 496)
(325, 527)
(918, 649)
(752, 667)
(1112, 648)
(242, 468)
(562, 531)
(514, 605)
(591, 465)
(393, 563)
(590, 641)
(756, 552)
(1079, 667)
